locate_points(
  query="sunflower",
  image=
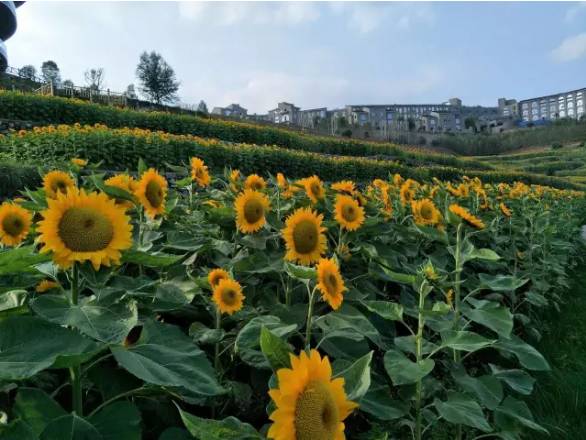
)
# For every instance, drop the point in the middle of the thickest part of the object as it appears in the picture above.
(407, 192)
(465, 215)
(304, 238)
(425, 212)
(282, 182)
(349, 213)
(217, 275)
(310, 405)
(251, 207)
(199, 172)
(235, 180)
(397, 180)
(79, 162)
(228, 296)
(255, 182)
(46, 285)
(56, 182)
(330, 282)
(15, 223)
(126, 183)
(152, 192)
(505, 210)
(344, 186)
(313, 188)
(84, 227)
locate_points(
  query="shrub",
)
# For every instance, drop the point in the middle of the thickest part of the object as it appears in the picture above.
(15, 177)
(556, 146)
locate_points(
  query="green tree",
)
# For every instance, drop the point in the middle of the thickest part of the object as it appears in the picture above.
(470, 122)
(157, 78)
(28, 71)
(50, 72)
(94, 78)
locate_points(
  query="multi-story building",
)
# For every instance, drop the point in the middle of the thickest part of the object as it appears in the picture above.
(547, 108)
(232, 111)
(508, 108)
(285, 113)
(7, 28)
(311, 118)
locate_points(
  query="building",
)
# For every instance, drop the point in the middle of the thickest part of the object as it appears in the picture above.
(232, 111)
(547, 108)
(508, 108)
(312, 117)
(7, 28)
(285, 113)
(440, 122)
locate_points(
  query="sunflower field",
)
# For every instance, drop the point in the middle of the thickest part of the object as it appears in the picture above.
(234, 306)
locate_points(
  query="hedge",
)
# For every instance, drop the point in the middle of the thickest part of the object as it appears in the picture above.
(122, 148)
(55, 110)
(15, 177)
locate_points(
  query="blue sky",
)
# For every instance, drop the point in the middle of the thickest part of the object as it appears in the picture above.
(317, 54)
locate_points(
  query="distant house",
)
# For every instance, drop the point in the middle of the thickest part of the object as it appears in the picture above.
(547, 108)
(310, 118)
(231, 111)
(285, 113)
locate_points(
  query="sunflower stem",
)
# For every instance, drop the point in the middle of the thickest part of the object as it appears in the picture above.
(217, 346)
(309, 316)
(457, 293)
(419, 355)
(75, 372)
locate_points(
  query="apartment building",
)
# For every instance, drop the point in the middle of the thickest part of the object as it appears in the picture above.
(285, 113)
(7, 28)
(232, 111)
(547, 108)
(508, 108)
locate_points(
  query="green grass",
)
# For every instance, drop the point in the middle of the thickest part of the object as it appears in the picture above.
(559, 400)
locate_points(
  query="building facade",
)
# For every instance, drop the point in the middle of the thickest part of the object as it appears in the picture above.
(285, 113)
(311, 118)
(231, 111)
(548, 108)
(7, 28)
(508, 108)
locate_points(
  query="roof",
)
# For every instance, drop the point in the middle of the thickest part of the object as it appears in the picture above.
(553, 95)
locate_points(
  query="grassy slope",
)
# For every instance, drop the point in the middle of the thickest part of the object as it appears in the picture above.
(559, 401)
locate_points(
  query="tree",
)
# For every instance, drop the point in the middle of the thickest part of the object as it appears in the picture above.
(68, 83)
(157, 78)
(50, 72)
(131, 92)
(94, 78)
(28, 71)
(470, 122)
(202, 107)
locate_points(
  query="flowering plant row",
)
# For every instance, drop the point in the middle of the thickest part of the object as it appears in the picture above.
(235, 306)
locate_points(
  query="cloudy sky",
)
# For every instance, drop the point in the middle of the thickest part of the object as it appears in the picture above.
(317, 54)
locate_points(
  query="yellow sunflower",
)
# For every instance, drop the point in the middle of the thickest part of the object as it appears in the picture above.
(228, 296)
(344, 186)
(56, 182)
(235, 180)
(282, 182)
(397, 180)
(84, 227)
(217, 275)
(126, 183)
(407, 193)
(425, 212)
(152, 192)
(255, 182)
(15, 224)
(79, 162)
(349, 214)
(304, 236)
(46, 285)
(310, 405)
(465, 215)
(330, 283)
(505, 210)
(199, 172)
(314, 188)
(251, 207)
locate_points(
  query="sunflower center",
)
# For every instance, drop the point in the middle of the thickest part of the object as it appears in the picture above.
(316, 413)
(315, 189)
(85, 230)
(13, 225)
(331, 282)
(154, 194)
(229, 297)
(305, 236)
(349, 213)
(59, 186)
(426, 212)
(253, 211)
(198, 172)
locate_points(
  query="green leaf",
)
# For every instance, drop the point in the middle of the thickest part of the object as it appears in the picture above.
(12, 299)
(385, 274)
(29, 345)
(357, 377)
(481, 254)
(112, 191)
(386, 309)
(519, 411)
(529, 357)
(501, 283)
(228, 429)
(109, 324)
(518, 380)
(465, 341)
(70, 427)
(300, 272)
(118, 421)
(275, 349)
(19, 260)
(460, 409)
(379, 404)
(350, 323)
(36, 408)
(142, 167)
(488, 389)
(403, 371)
(488, 313)
(165, 356)
(150, 260)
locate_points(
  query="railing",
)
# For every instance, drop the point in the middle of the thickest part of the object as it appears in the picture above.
(17, 72)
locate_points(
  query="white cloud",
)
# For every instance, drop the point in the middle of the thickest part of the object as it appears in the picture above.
(575, 11)
(572, 48)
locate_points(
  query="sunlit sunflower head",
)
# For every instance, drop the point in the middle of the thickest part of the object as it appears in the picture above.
(217, 275)
(199, 172)
(314, 188)
(465, 215)
(126, 183)
(430, 272)
(425, 213)
(398, 180)
(255, 182)
(79, 162)
(251, 208)
(310, 404)
(344, 186)
(228, 296)
(349, 214)
(152, 192)
(505, 210)
(304, 236)
(380, 184)
(46, 285)
(55, 182)
(407, 192)
(330, 282)
(282, 182)
(15, 224)
(80, 227)
(234, 175)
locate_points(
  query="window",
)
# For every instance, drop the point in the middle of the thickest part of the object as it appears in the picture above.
(570, 104)
(562, 114)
